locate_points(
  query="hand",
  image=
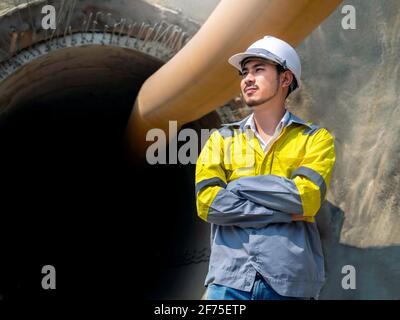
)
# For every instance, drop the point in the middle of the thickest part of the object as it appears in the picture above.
(297, 217)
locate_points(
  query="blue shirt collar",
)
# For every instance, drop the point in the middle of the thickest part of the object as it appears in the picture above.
(287, 119)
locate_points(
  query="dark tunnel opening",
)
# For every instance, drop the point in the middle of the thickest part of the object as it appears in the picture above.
(71, 196)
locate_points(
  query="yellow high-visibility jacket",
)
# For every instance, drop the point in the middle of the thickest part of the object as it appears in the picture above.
(248, 197)
(238, 184)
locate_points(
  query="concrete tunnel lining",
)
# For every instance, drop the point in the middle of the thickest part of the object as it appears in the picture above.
(61, 128)
(93, 70)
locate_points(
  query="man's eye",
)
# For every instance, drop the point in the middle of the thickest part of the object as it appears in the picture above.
(259, 69)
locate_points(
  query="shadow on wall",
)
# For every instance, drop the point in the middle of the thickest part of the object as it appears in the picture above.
(185, 266)
(377, 272)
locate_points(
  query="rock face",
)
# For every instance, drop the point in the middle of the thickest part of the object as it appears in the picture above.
(350, 86)
(350, 83)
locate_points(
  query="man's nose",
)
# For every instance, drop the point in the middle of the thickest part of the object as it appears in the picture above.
(249, 78)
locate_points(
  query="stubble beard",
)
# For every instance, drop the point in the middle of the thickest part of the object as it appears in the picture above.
(254, 103)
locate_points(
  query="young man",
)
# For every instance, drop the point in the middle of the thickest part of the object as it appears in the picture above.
(260, 182)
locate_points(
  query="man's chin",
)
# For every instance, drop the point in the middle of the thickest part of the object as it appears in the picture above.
(252, 103)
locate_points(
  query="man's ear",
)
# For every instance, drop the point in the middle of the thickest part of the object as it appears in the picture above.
(287, 78)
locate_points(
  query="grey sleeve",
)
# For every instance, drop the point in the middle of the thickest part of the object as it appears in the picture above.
(228, 209)
(271, 191)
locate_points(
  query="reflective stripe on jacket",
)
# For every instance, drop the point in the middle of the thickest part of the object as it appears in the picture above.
(243, 191)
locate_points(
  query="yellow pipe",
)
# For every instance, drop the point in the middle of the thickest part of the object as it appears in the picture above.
(198, 78)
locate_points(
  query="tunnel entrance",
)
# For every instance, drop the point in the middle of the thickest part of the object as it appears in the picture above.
(71, 196)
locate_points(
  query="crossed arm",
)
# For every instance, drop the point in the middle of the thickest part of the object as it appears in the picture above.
(223, 204)
(256, 201)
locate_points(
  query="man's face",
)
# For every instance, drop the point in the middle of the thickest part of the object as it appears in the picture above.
(260, 82)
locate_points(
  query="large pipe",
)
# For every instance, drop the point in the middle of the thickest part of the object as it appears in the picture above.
(198, 78)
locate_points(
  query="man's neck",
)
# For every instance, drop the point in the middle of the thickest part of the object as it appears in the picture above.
(267, 118)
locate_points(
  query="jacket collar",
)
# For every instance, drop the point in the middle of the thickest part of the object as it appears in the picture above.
(291, 119)
(295, 119)
(238, 124)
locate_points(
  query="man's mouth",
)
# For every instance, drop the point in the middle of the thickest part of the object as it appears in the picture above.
(250, 89)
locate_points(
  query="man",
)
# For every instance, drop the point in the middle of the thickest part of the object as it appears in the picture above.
(260, 182)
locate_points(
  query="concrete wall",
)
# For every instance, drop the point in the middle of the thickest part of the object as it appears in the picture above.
(351, 85)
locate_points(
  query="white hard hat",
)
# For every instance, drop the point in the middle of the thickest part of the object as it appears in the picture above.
(273, 49)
